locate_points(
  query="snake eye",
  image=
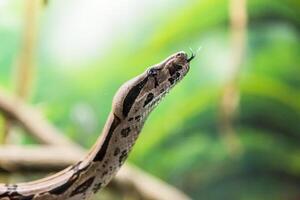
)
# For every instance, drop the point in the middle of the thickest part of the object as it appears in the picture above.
(152, 72)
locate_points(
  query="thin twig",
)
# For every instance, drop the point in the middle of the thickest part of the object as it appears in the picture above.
(230, 99)
(25, 69)
(32, 121)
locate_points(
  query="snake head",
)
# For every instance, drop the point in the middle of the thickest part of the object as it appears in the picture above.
(140, 95)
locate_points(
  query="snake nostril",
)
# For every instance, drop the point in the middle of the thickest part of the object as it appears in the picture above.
(179, 54)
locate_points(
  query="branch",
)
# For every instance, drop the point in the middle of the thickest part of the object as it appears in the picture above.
(32, 121)
(149, 187)
(45, 158)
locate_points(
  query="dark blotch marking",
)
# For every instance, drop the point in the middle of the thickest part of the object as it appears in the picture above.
(96, 187)
(174, 68)
(156, 82)
(149, 98)
(16, 196)
(101, 153)
(123, 156)
(171, 80)
(12, 193)
(132, 95)
(104, 173)
(177, 75)
(130, 119)
(64, 187)
(83, 187)
(125, 132)
(177, 67)
(117, 151)
(137, 118)
(21, 197)
(172, 71)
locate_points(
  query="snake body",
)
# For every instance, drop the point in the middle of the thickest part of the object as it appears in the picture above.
(131, 105)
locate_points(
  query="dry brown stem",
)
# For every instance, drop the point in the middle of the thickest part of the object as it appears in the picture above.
(25, 67)
(230, 98)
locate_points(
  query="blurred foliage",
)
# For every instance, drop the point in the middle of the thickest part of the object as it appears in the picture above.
(182, 142)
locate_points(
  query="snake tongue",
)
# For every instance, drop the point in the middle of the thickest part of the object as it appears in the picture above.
(191, 58)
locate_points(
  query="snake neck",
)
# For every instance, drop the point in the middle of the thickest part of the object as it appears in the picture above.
(113, 147)
(117, 138)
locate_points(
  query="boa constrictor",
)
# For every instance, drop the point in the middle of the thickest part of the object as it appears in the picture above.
(131, 105)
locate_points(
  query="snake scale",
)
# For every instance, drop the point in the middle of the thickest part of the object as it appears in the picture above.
(131, 105)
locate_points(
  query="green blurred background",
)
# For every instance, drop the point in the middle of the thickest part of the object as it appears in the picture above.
(229, 130)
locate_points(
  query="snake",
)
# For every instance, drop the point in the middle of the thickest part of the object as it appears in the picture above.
(131, 105)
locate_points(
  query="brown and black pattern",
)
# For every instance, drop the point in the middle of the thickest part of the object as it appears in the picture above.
(101, 153)
(83, 187)
(137, 118)
(97, 187)
(125, 132)
(123, 157)
(117, 151)
(132, 95)
(149, 98)
(64, 187)
(132, 104)
(174, 68)
(12, 194)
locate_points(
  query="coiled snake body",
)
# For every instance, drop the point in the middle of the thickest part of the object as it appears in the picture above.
(131, 105)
